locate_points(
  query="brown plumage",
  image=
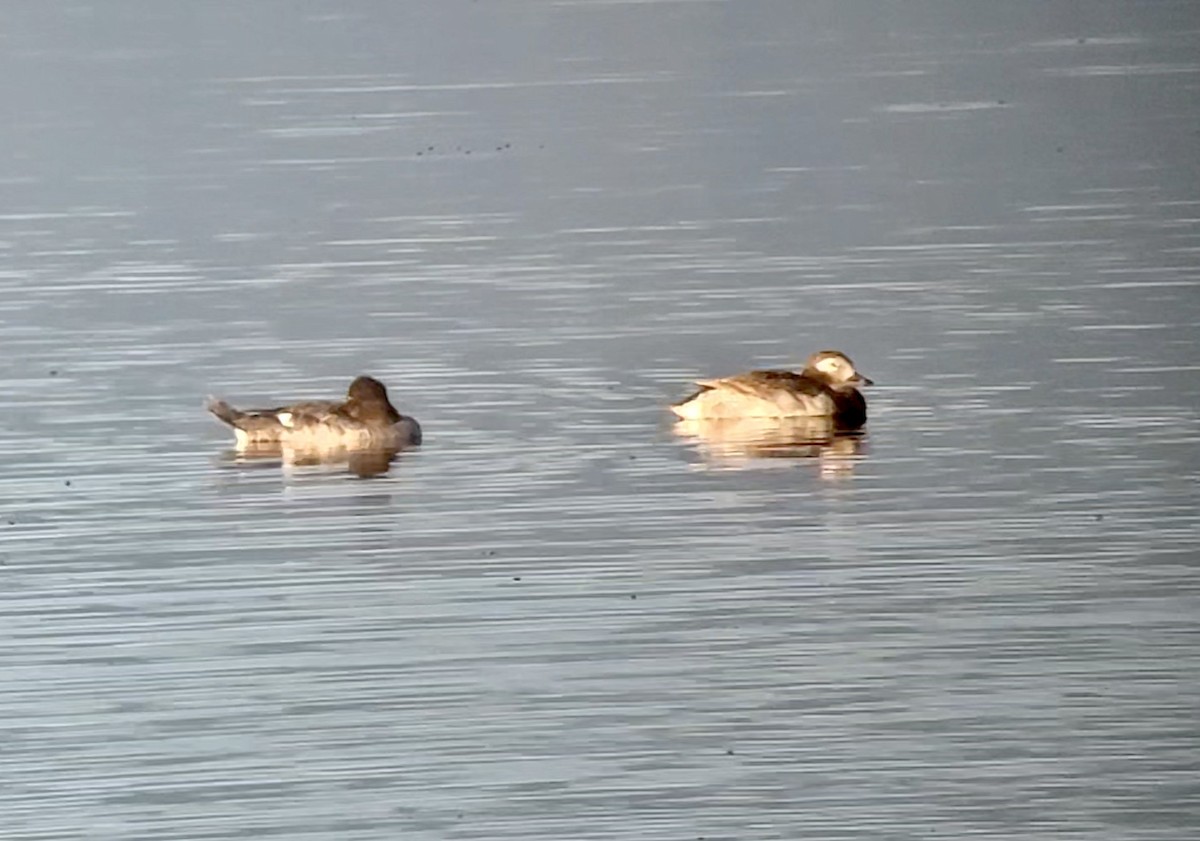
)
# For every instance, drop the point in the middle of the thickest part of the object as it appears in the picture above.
(827, 387)
(365, 419)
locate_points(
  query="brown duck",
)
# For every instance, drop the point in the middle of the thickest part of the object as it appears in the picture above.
(827, 387)
(365, 419)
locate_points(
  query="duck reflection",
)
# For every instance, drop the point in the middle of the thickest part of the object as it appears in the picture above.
(748, 442)
(362, 462)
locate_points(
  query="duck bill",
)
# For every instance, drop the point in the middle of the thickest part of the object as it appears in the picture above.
(859, 379)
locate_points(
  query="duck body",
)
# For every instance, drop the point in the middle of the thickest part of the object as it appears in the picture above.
(825, 388)
(364, 420)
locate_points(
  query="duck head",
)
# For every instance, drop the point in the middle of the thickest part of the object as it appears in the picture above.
(834, 368)
(366, 389)
(367, 400)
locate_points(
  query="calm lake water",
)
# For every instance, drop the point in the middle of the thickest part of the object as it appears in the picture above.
(537, 222)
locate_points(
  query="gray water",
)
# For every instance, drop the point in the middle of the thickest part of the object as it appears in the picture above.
(537, 222)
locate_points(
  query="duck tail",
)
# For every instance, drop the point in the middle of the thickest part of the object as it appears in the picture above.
(688, 408)
(223, 411)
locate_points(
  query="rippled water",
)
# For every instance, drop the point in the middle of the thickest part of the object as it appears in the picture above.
(559, 619)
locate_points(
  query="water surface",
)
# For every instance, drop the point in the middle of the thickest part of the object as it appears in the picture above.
(537, 222)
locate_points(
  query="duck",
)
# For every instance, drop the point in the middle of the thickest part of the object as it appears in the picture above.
(827, 387)
(365, 419)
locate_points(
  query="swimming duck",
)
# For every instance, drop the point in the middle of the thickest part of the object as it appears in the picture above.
(826, 388)
(365, 419)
